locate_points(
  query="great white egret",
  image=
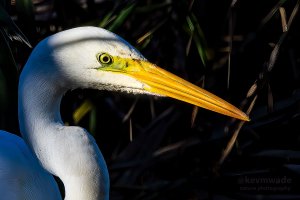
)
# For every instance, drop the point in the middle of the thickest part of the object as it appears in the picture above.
(84, 57)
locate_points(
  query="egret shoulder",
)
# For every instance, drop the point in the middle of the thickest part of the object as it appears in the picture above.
(20, 170)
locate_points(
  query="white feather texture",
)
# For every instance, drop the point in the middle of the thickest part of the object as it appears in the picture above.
(59, 63)
(21, 176)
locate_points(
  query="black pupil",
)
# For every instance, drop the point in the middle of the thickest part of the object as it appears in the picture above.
(105, 59)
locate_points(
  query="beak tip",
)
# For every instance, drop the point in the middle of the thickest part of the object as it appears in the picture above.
(245, 118)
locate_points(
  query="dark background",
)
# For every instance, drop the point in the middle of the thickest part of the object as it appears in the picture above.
(238, 50)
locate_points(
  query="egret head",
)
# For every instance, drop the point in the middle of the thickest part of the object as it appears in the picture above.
(90, 57)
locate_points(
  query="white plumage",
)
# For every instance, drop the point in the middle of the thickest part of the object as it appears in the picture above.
(62, 62)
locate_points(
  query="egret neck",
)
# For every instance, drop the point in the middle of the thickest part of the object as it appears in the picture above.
(67, 152)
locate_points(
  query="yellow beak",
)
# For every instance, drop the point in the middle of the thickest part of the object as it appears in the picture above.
(161, 82)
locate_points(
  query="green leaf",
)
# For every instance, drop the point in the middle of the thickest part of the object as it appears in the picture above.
(150, 32)
(83, 109)
(107, 19)
(121, 17)
(192, 27)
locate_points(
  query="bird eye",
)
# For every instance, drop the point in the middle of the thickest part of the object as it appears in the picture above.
(105, 58)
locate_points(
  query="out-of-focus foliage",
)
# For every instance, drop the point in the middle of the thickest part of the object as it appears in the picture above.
(244, 51)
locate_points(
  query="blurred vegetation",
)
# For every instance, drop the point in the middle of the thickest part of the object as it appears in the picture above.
(159, 148)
